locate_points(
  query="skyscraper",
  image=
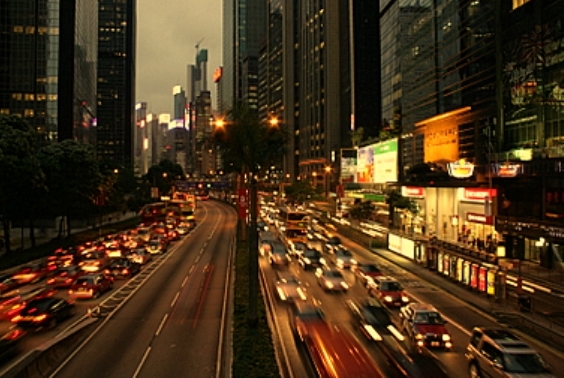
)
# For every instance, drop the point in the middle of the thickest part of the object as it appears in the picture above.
(116, 82)
(48, 66)
(179, 105)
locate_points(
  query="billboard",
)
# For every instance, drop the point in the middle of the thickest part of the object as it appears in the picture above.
(365, 164)
(348, 169)
(386, 161)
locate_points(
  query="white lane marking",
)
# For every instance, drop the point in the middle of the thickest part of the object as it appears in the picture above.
(184, 282)
(192, 269)
(174, 299)
(198, 258)
(163, 321)
(142, 362)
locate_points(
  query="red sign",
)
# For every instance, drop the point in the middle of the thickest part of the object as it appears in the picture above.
(412, 191)
(479, 194)
(243, 202)
(479, 218)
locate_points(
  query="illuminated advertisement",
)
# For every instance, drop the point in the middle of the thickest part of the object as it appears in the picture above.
(453, 265)
(217, 74)
(491, 282)
(459, 269)
(413, 191)
(348, 169)
(466, 273)
(446, 265)
(386, 161)
(482, 278)
(365, 165)
(460, 169)
(474, 276)
(441, 142)
(440, 262)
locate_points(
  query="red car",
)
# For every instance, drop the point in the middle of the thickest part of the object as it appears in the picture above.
(65, 276)
(366, 272)
(91, 286)
(424, 325)
(22, 299)
(31, 273)
(388, 290)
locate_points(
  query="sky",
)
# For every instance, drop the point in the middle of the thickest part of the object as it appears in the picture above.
(167, 34)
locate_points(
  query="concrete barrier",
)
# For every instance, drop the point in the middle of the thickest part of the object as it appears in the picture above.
(42, 361)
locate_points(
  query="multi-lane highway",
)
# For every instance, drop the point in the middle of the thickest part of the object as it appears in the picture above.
(171, 320)
(461, 316)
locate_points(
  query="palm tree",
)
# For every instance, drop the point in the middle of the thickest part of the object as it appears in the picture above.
(249, 146)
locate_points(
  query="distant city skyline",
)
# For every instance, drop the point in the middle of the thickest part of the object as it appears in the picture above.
(167, 34)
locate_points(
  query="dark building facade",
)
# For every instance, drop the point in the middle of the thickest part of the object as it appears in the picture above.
(48, 66)
(116, 82)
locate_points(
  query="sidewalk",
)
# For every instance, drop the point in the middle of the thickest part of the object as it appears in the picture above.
(506, 313)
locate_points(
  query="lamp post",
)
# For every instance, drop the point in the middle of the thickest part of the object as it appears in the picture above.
(328, 170)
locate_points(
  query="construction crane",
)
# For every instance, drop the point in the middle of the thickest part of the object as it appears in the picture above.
(198, 46)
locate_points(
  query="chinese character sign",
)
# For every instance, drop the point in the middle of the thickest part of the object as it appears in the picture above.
(243, 203)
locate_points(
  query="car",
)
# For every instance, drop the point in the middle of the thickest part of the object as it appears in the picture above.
(331, 280)
(94, 261)
(297, 248)
(289, 288)
(373, 319)
(332, 244)
(44, 313)
(303, 313)
(91, 286)
(9, 343)
(266, 239)
(172, 235)
(31, 273)
(262, 226)
(365, 272)
(183, 229)
(22, 298)
(278, 255)
(425, 326)
(144, 233)
(122, 268)
(388, 290)
(311, 259)
(156, 247)
(140, 256)
(8, 283)
(498, 352)
(343, 258)
(65, 276)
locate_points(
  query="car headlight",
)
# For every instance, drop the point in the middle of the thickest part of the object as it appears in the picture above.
(419, 336)
(307, 261)
(387, 298)
(404, 298)
(353, 261)
(322, 261)
(345, 285)
(329, 284)
(446, 337)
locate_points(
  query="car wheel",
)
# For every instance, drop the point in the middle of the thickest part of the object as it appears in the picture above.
(473, 371)
(96, 294)
(52, 323)
(72, 311)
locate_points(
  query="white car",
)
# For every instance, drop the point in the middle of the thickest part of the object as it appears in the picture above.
(343, 258)
(289, 288)
(331, 280)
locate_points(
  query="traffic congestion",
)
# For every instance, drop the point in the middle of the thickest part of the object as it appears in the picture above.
(409, 328)
(51, 293)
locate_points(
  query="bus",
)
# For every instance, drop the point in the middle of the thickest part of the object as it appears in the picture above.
(202, 194)
(292, 224)
(186, 204)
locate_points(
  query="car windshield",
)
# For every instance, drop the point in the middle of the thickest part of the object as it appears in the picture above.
(370, 269)
(391, 286)
(333, 274)
(154, 243)
(428, 318)
(312, 253)
(92, 256)
(343, 253)
(530, 363)
(37, 306)
(143, 231)
(377, 315)
(300, 246)
(334, 240)
(85, 281)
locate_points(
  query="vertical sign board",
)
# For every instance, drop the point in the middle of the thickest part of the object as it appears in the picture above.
(243, 203)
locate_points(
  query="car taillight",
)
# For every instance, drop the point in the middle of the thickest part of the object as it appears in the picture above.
(40, 318)
(17, 318)
(125, 271)
(50, 281)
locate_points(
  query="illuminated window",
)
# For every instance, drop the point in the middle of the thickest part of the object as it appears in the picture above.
(18, 29)
(29, 97)
(5, 111)
(29, 29)
(28, 113)
(17, 96)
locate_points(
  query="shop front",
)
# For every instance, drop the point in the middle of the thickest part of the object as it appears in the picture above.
(477, 227)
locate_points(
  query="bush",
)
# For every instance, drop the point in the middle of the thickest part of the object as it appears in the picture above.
(253, 348)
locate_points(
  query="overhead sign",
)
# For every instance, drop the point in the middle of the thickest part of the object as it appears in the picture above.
(478, 194)
(386, 162)
(479, 218)
(507, 170)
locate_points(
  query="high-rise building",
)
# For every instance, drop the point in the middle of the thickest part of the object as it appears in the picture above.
(48, 66)
(217, 79)
(201, 135)
(140, 134)
(116, 82)
(179, 106)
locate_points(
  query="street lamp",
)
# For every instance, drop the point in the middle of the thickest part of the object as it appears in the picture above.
(328, 170)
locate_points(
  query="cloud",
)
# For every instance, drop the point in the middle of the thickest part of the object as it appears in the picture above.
(167, 32)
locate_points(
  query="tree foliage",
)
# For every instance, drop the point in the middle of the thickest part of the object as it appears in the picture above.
(362, 210)
(299, 192)
(73, 177)
(247, 144)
